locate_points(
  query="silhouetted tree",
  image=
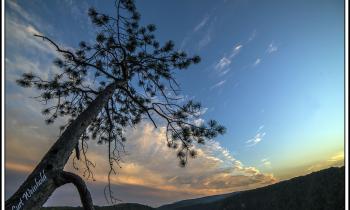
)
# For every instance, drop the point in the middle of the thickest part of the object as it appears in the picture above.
(125, 76)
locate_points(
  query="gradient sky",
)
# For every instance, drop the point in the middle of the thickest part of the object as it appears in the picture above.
(272, 72)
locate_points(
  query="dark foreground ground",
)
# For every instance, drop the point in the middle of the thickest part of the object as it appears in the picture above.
(322, 190)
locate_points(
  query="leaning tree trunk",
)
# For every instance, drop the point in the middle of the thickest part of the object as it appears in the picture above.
(48, 174)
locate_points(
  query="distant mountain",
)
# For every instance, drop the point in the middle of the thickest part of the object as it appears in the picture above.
(322, 190)
(196, 201)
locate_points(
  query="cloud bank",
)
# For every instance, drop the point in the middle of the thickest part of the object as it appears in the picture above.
(150, 164)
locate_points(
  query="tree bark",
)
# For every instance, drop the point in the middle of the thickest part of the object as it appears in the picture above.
(47, 175)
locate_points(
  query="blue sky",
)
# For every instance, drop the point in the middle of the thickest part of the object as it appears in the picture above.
(286, 77)
(272, 72)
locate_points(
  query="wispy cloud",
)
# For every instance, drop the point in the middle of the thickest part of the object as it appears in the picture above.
(252, 36)
(257, 62)
(24, 35)
(336, 159)
(23, 13)
(219, 84)
(18, 167)
(208, 27)
(79, 10)
(203, 31)
(205, 40)
(257, 138)
(223, 64)
(266, 162)
(235, 51)
(28, 54)
(185, 41)
(272, 48)
(201, 24)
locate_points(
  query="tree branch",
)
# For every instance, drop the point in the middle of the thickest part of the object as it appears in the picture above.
(74, 57)
(65, 177)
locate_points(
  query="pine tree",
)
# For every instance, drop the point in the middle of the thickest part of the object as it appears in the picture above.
(122, 78)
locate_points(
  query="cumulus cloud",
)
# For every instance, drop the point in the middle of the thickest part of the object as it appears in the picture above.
(150, 163)
(214, 171)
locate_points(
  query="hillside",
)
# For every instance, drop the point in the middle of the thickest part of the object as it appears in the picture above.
(191, 202)
(322, 190)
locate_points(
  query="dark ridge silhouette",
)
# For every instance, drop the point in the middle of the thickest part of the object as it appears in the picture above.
(196, 201)
(322, 190)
